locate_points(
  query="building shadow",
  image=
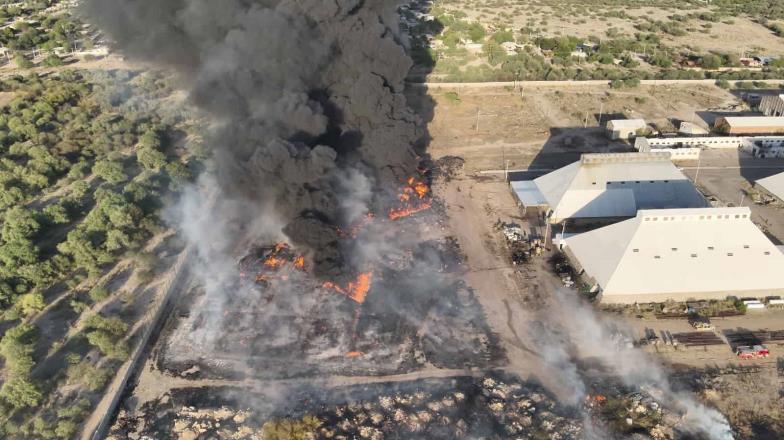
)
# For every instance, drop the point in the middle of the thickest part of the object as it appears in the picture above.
(566, 145)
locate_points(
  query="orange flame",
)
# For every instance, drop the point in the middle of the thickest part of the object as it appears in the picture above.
(353, 354)
(415, 197)
(279, 257)
(356, 290)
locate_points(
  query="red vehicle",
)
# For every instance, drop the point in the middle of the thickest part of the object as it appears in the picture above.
(755, 352)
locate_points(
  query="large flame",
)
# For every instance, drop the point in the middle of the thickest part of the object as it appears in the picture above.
(356, 290)
(414, 197)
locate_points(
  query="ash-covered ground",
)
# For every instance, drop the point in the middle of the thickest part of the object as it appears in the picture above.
(407, 309)
(495, 406)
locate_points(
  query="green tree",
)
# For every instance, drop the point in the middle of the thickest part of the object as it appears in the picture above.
(30, 303)
(150, 158)
(110, 171)
(53, 61)
(19, 392)
(476, 32)
(710, 62)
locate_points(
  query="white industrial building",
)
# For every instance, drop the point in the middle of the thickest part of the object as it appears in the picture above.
(609, 186)
(774, 185)
(678, 254)
(688, 148)
(625, 128)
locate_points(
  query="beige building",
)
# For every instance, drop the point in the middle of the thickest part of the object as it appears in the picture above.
(679, 254)
(610, 186)
(750, 125)
(625, 128)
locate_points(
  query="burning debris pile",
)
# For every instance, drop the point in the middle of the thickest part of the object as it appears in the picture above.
(410, 310)
(414, 197)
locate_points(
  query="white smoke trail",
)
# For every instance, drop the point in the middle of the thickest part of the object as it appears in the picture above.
(593, 337)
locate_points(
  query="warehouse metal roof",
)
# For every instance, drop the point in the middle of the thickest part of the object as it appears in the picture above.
(754, 121)
(617, 185)
(774, 185)
(627, 123)
(528, 193)
(679, 253)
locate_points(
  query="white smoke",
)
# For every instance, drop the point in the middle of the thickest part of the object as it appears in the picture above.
(593, 338)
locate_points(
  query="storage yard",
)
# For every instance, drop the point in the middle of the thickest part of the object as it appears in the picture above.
(459, 333)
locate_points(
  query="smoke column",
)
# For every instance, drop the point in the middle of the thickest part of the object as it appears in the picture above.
(303, 96)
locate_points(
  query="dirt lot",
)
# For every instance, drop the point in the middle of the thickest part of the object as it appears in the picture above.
(733, 35)
(549, 127)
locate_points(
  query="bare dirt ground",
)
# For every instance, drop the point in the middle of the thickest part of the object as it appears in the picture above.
(549, 127)
(729, 36)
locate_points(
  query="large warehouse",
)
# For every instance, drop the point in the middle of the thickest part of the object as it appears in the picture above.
(610, 186)
(679, 254)
(750, 125)
(774, 185)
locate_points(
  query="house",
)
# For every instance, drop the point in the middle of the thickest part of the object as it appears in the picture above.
(678, 254)
(603, 187)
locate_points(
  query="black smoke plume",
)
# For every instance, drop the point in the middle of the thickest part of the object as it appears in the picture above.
(302, 95)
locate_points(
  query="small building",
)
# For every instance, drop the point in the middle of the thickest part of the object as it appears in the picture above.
(691, 129)
(750, 125)
(774, 185)
(678, 254)
(772, 105)
(609, 186)
(625, 128)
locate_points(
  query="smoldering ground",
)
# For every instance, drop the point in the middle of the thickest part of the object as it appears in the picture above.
(581, 348)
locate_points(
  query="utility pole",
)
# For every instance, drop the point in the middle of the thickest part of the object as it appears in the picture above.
(477, 120)
(697, 174)
(506, 171)
(742, 197)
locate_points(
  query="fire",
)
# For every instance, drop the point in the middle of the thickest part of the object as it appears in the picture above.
(597, 399)
(278, 263)
(356, 290)
(353, 354)
(355, 228)
(415, 197)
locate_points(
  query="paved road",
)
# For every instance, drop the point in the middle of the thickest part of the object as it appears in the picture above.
(533, 84)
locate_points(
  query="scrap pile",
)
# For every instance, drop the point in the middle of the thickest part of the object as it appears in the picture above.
(521, 246)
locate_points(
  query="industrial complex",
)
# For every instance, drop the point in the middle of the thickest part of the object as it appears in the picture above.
(679, 254)
(609, 186)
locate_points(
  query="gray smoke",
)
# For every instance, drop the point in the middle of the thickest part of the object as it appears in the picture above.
(303, 96)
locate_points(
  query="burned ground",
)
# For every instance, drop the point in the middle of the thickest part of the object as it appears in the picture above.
(494, 406)
(279, 321)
